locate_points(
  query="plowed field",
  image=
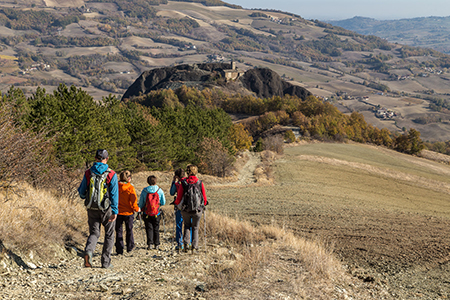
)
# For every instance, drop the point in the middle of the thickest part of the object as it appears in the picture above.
(387, 214)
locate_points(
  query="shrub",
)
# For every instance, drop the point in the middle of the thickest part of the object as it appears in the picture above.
(289, 136)
(214, 158)
(274, 143)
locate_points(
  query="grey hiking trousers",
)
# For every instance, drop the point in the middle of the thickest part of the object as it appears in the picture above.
(96, 218)
(191, 220)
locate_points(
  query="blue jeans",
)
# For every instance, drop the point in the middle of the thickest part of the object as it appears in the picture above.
(179, 228)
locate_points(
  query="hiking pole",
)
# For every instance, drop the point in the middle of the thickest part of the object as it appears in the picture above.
(204, 222)
(164, 225)
(174, 240)
(142, 228)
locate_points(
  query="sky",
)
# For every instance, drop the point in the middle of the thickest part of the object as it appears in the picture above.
(346, 9)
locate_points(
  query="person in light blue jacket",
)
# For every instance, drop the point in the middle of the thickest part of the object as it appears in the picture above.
(152, 197)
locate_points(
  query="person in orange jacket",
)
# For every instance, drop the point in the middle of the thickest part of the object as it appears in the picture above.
(127, 206)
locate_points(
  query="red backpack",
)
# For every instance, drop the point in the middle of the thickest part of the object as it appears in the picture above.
(151, 207)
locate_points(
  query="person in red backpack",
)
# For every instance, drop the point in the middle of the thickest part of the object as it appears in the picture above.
(191, 217)
(152, 197)
(127, 207)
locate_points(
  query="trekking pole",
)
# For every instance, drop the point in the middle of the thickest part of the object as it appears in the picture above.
(204, 222)
(164, 225)
(174, 240)
(142, 228)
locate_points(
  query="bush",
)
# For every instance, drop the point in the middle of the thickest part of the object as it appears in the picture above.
(289, 136)
(214, 158)
(274, 143)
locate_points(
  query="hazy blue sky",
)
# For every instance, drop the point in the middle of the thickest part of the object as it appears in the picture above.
(344, 9)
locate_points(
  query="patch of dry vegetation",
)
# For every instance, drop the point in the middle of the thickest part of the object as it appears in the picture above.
(270, 262)
(34, 220)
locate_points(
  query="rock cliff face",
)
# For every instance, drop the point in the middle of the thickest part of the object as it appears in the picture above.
(266, 83)
(261, 82)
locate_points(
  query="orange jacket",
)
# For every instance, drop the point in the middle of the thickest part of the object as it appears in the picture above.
(127, 199)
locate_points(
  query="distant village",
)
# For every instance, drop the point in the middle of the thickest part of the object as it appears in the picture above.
(380, 112)
(35, 67)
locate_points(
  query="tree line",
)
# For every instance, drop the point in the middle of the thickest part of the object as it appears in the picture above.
(167, 129)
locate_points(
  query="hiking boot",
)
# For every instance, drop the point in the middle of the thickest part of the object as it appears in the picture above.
(156, 247)
(194, 251)
(88, 259)
(108, 267)
(149, 247)
(186, 249)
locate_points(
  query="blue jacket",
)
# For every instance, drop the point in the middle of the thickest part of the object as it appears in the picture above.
(113, 188)
(151, 189)
(173, 189)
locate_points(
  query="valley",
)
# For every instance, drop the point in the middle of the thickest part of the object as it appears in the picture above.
(106, 50)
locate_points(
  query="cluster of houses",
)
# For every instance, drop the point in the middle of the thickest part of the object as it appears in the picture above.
(34, 67)
(280, 21)
(215, 58)
(433, 70)
(187, 47)
(385, 114)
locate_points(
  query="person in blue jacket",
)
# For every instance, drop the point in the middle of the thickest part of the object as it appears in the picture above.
(102, 211)
(151, 218)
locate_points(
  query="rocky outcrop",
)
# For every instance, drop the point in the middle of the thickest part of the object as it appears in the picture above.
(261, 82)
(266, 83)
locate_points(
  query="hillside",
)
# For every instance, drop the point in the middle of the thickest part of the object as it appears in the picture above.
(386, 214)
(368, 223)
(427, 32)
(104, 47)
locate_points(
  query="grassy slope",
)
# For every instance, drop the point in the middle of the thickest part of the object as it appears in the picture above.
(348, 175)
(386, 213)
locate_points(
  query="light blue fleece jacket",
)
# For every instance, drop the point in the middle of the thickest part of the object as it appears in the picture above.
(100, 168)
(151, 189)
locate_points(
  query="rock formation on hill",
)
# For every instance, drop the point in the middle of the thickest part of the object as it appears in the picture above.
(261, 82)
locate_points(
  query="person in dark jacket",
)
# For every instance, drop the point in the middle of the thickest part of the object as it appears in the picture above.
(191, 219)
(104, 214)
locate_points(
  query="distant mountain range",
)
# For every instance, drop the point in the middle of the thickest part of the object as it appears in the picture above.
(429, 32)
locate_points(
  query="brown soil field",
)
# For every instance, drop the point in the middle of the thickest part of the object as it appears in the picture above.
(387, 214)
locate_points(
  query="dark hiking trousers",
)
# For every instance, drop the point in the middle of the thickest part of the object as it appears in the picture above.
(96, 218)
(129, 238)
(191, 220)
(152, 229)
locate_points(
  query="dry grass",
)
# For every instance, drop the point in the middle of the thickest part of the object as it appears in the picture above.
(34, 220)
(269, 259)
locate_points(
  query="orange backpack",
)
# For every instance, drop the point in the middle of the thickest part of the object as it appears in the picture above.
(151, 207)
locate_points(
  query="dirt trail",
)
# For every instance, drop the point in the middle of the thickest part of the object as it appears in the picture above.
(140, 274)
(247, 173)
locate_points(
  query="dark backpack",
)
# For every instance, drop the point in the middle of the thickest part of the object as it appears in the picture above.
(98, 195)
(151, 207)
(192, 196)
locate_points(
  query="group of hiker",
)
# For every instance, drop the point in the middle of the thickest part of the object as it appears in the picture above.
(111, 202)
